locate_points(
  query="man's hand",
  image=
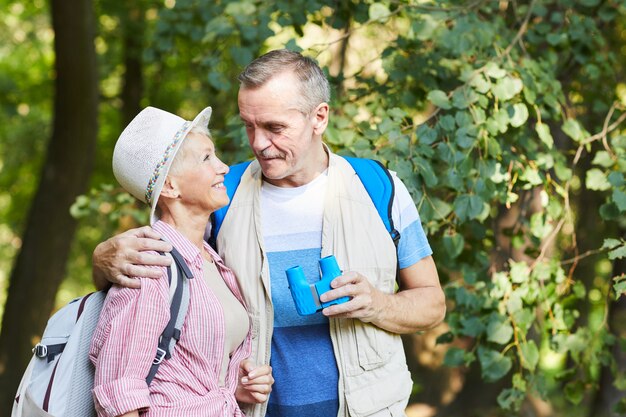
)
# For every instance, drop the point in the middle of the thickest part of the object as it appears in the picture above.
(366, 302)
(420, 303)
(255, 382)
(121, 258)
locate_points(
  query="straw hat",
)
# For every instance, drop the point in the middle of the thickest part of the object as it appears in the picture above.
(145, 150)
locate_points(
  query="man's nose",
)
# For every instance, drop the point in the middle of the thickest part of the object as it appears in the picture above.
(260, 139)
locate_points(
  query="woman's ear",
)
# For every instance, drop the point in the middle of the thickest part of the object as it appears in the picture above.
(170, 188)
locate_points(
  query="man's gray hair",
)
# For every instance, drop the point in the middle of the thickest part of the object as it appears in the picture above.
(314, 86)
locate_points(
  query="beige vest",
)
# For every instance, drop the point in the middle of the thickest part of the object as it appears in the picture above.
(373, 376)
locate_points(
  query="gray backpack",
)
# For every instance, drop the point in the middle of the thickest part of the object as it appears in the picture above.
(59, 379)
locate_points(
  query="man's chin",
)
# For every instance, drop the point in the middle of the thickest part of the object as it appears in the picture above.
(272, 171)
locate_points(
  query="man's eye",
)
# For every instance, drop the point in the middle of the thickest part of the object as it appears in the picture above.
(207, 157)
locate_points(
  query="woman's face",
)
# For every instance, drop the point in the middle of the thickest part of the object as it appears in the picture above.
(199, 175)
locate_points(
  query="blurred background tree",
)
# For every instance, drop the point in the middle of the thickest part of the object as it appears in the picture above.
(504, 118)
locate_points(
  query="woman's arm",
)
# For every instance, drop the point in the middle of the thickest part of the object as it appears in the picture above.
(124, 345)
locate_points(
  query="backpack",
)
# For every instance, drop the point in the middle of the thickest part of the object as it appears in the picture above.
(376, 179)
(60, 376)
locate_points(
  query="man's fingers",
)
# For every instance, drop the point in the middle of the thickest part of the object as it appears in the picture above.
(146, 244)
(344, 308)
(345, 279)
(125, 281)
(149, 259)
(136, 271)
(349, 290)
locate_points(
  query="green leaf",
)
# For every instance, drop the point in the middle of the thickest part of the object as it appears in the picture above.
(609, 211)
(575, 391)
(616, 179)
(439, 99)
(618, 253)
(555, 39)
(519, 272)
(494, 365)
(619, 198)
(573, 129)
(538, 226)
(426, 134)
(524, 318)
(619, 288)
(454, 357)
(514, 303)
(499, 330)
(378, 11)
(453, 244)
(511, 399)
(494, 71)
(472, 326)
(543, 131)
(463, 98)
(610, 243)
(468, 207)
(603, 159)
(507, 88)
(596, 180)
(520, 115)
(480, 84)
(530, 355)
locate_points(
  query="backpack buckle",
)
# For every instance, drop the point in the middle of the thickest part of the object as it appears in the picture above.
(160, 355)
(41, 351)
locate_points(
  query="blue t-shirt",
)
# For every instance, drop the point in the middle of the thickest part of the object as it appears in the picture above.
(302, 357)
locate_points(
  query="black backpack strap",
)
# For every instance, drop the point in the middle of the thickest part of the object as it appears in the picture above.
(179, 304)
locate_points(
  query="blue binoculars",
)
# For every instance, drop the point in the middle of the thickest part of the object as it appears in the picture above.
(307, 296)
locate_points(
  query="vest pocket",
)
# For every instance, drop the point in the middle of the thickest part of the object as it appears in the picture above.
(374, 346)
(381, 392)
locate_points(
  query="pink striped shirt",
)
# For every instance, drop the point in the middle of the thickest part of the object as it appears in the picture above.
(125, 342)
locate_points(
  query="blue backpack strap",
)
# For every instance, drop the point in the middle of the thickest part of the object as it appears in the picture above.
(378, 183)
(178, 311)
(231, 182)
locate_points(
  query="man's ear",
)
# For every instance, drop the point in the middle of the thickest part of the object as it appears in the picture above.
(170, 188)
(320, 119)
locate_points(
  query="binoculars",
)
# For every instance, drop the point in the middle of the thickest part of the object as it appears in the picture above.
(307, 296)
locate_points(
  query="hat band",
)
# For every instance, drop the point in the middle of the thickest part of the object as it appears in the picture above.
(163, 162)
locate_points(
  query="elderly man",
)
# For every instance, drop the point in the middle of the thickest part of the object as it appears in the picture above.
(296, 203)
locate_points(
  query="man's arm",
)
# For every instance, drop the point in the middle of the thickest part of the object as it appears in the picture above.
(121, 258)
(418, 305)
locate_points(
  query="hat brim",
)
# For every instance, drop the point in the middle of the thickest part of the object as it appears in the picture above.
(202, 119)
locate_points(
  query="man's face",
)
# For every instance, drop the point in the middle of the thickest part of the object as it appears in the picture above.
(286, 142)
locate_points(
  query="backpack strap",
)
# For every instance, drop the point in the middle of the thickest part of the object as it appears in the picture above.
(231, 182)
(376, 179)
(179, 303)
(378, 183)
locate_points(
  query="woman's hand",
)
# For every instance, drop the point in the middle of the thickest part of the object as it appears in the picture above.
(255, 382)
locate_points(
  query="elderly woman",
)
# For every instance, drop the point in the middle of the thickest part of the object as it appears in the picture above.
(171, 165)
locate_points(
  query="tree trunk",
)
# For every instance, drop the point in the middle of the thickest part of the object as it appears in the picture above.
(132, 89)
(40, 265)
(608, 395)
